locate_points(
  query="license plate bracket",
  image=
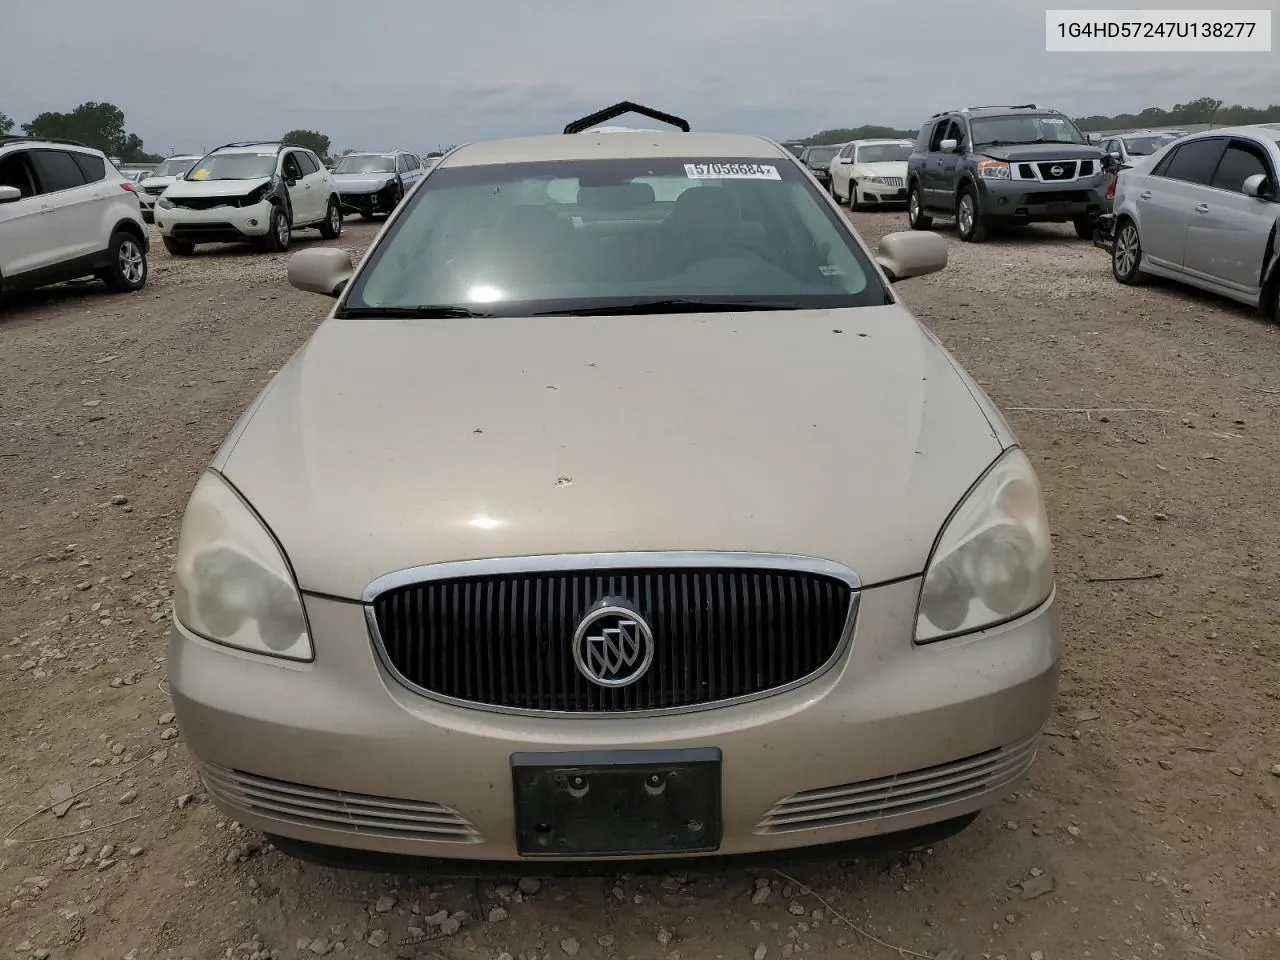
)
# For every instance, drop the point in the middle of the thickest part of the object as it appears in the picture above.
(617, 803)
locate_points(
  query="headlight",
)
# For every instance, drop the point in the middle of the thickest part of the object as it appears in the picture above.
(234, 586)
(165, 203)
(994, 559)
(258, 194)
(874, 179)
(993, 170)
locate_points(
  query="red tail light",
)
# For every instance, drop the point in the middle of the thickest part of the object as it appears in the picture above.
(1111, 187)
(127, 185)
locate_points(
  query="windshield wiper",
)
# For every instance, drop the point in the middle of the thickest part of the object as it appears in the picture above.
(425, 312)
(671, 305)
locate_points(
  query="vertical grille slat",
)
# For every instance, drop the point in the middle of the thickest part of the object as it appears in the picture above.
(719, 633)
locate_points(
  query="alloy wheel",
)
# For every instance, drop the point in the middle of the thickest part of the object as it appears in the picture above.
(132, 262)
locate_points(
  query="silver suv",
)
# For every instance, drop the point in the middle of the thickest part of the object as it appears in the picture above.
(66, 212)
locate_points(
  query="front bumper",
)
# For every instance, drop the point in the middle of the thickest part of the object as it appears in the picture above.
(1032, 201)
(369, 203)
(869, 192)
(893, 738)
(216, 224)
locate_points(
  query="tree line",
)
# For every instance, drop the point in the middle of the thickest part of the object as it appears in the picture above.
(1200, 110)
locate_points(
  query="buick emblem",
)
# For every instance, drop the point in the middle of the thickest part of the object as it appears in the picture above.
(1055, 171)
(613, 645)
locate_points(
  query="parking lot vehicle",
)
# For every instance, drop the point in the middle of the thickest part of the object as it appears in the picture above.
(1128, 147)
(794, 147)
(159, 178)
(374, 183)
(594, 525)
(994, 166)
(1205, 210)
(818, 160)
(65, 213)
(871, 172)
(250, 190)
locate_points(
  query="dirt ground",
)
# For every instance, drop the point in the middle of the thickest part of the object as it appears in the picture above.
(1149, 826)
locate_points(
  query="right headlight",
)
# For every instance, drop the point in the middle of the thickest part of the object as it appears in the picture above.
(994, 559)
(234, 585)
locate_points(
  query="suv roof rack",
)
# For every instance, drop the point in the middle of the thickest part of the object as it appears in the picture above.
(16, 138)
(617, 110)
(1007, 106)
(249, 143)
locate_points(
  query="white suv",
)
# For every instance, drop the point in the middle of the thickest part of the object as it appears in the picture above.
(254, 190)
(66, 212)
(158, 179)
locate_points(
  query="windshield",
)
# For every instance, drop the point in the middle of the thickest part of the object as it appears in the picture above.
(173, 168)
(795, 148)
(234, 166)
(883, 153)
(1026, 128)
(620, 236)
(821, 156)
(366, 163)
(1145, 146)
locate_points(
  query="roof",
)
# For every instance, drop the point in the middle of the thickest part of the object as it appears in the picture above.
(1264, 130)
(878, 140)
(614, 146)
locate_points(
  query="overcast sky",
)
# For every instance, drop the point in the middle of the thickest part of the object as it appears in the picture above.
(415, 74)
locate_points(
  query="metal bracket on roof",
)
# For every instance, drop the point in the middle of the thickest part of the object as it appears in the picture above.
(19, 138)
(618, 110)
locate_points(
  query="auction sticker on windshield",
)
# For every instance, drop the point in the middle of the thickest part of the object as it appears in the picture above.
(732, 171)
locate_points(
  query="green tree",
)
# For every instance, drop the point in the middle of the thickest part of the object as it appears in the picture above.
(99, 125)
(312, 140)
(6, 125)
(866, 132)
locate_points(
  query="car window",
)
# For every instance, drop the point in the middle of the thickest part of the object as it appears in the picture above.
(365, 163)
(56, 170)
(1193, 162)
(291, 168)
(234, 166)
(1241, 161)
(307, 162)
(544, 237)
(883, 153)
(402, 164)
(16, 171)
(95, 168)
(412, 161)
(1026, 128)
(945, 130)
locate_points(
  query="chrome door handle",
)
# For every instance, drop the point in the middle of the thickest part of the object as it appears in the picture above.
(1203, 208)
(1145, 195)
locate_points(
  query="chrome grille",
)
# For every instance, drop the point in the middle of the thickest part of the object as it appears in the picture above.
(337, 809)
(904, 793)
(156, 191)
(719, 633)
(892, 181)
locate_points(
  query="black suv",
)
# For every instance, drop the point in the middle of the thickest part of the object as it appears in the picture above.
(988, 166)
(817, 159)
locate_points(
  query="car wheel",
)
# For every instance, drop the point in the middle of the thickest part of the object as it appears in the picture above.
(1126, 254)
(969, 223)
(853, 194)
(128, 269)
(280, 232)
(916, 217)
(179, 248)
(1084, 227)
(331, 228)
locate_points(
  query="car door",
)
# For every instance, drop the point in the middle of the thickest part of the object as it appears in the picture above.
(940, 188)
(1229, 231)
(27, 240)
(840, 168)
(413, 171)
(72, 208)
(1166, 202)
(299, 189)
(313, 173)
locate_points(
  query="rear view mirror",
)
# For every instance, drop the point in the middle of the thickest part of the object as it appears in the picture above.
(1255, 186)
(949, 145)
(10, 194)
(910, 254)
(322, 270)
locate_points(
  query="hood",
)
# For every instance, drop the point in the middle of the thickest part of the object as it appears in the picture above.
(886, 168)
(362, 182)
(1018, 152)
(156, 181)
(385, 444)
(214, 188)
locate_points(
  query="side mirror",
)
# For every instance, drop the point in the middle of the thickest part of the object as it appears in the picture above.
(10, 194)
(322, 270)
(949, 145)
(910, 254)
(846, 159)
(1115, 155)
(1254, 186)
(290, 181)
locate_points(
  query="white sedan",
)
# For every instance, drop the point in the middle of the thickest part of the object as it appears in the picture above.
(871, 172)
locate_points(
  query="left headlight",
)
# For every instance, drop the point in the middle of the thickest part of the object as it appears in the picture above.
(994, 170)
(234, 585)
(994, 559)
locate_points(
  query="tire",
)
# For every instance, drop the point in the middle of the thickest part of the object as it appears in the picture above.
(331, 226)
(280, 233)
(969, 222)
(1084, 227)
(1126, 254)
(178, 248)
(916, 216)
(128, 270)
(853, 195)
